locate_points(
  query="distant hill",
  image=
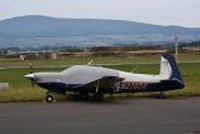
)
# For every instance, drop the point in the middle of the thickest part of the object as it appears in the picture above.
(36, 31)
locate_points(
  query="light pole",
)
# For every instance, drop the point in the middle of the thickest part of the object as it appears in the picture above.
(176, 47)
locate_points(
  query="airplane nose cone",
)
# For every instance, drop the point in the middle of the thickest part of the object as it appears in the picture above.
(29, 76)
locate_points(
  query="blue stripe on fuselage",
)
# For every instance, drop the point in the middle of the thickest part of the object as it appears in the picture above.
(125, 87)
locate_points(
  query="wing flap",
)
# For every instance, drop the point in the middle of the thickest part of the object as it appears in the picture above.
(106, 85)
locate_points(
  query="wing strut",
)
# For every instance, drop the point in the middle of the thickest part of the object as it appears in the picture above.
(97, 87)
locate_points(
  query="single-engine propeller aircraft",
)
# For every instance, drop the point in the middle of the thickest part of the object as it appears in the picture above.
(87, 79)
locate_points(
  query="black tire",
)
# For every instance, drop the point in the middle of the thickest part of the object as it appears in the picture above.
(81, 96)
(161, 95)
(49, 98)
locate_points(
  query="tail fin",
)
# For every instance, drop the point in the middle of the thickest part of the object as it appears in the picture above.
(169, 69)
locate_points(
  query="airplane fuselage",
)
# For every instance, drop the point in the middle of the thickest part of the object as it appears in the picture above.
(132, 82)
(100, 80)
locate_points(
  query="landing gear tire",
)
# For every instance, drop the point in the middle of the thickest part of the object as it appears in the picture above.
(81, 96)
(85, 96)
(49, 98)
(161, 96)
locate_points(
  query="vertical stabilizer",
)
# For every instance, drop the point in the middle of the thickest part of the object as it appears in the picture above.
(169, 69)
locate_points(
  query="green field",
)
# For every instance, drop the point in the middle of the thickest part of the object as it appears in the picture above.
(20, 88)
(71, 60)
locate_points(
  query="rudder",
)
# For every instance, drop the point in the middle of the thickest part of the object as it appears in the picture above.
(169, 68)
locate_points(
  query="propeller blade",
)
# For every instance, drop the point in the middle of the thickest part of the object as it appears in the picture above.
(31, 68)
(31, 73)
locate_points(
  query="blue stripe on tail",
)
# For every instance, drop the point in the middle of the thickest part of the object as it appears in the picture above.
(176, 75)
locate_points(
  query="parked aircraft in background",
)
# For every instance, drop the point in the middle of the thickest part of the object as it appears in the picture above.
(87, 79)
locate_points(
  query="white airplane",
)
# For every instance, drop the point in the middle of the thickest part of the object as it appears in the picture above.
(86, 79)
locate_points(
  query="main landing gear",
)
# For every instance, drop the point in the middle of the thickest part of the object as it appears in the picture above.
(81, 96)
(98, 95)
(161, 95)
(86, 97)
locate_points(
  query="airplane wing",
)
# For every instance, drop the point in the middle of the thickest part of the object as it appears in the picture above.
(105, 84)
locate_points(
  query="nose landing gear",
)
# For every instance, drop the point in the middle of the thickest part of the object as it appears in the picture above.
(49, 98)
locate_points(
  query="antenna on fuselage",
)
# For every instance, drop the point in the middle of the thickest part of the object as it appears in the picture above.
(90, 63)
(135, 68)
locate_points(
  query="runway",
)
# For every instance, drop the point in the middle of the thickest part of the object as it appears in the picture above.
(120, 116)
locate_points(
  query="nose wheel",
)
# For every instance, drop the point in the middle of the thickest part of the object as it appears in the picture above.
(49, 98)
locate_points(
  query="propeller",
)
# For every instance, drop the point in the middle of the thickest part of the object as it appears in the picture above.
(31, 72)
(31, 68)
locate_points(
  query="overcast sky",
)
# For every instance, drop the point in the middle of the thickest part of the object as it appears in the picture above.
(165, 12)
